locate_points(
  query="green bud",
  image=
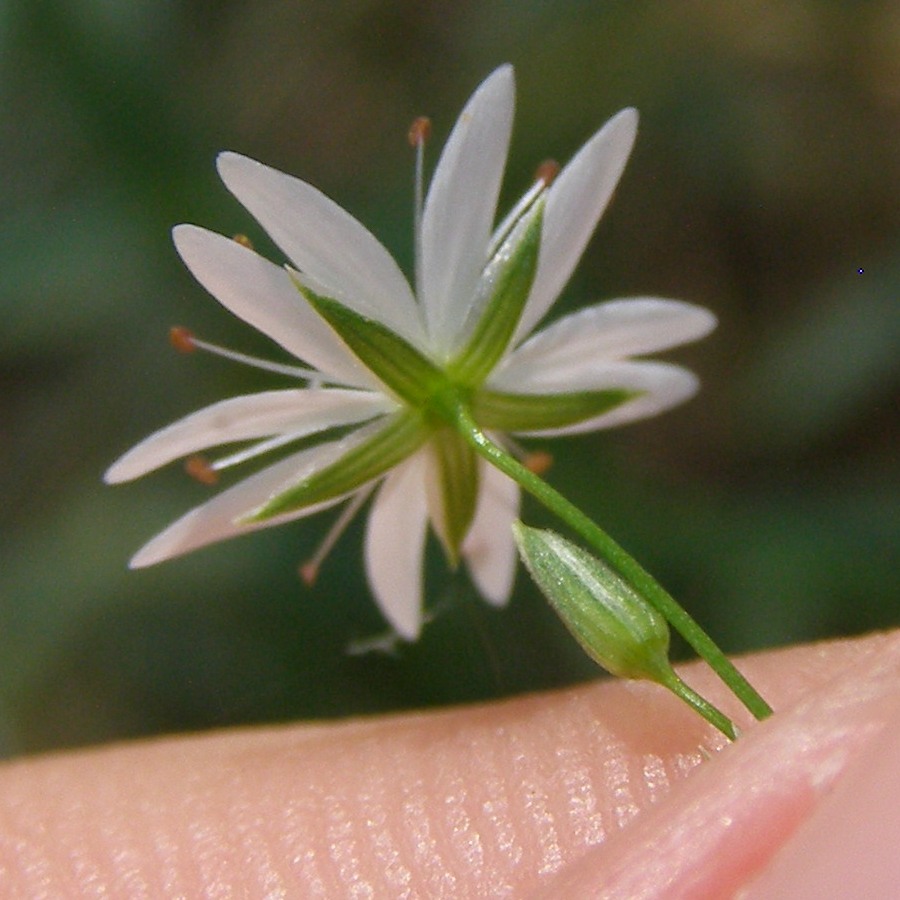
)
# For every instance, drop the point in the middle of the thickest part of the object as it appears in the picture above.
(615, 626)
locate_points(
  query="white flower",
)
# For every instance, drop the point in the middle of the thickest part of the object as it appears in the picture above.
(382, 360)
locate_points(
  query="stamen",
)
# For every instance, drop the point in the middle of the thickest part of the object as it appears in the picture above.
(254, 450)
(547, 172)
(200, 469)
(538, 462)
(243, 240)
(419, 132)
(182, 339)
(309, 571)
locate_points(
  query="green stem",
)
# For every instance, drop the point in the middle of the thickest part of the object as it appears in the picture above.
(616, 556)
(709, 712)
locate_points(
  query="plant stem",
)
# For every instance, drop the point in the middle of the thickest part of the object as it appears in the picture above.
(618, 558)
(700, 705)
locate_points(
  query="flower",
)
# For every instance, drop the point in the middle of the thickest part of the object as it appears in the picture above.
(383, 363)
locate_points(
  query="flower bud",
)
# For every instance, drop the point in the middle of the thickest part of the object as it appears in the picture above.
(614, 624)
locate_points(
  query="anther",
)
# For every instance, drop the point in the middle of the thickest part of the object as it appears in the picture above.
(419, 131)
(182, 339)
(309, 572)
(200, 469)
(538, 462)
(547, 172)
(243, 240)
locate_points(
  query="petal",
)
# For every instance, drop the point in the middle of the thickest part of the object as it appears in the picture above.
(325, 243)
(395, 546)
(222, 517)
(612, 330)
(659, 387)
(263, 295)
(489, 549)
(297, 412)
(575, 202)
(459, 211)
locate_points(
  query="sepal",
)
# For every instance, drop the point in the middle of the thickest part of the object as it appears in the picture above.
(393, 360)
(453, 492)
(505, 411)
(503, 289)
(365, 462)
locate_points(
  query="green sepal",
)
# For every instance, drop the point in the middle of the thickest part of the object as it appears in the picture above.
(366, 461)
(541, 412)
(455, 490)
(396, 363)
(503, 290)
(614, 624)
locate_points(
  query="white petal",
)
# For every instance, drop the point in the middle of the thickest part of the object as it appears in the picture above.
(395, 544)
(263, 295)
(489, 549)
(325, 243)
(612, 330)
(575, 202)
(462, 200)
(297, 412)
(663, 386)
(219, 519)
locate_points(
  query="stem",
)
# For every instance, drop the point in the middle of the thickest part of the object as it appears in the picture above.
(628, 567)
(709, 712)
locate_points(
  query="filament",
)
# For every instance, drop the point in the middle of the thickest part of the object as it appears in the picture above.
(309, 570)
(183, 340)
(419, 132)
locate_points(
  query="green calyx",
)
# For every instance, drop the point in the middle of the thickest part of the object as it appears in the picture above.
(614, 624)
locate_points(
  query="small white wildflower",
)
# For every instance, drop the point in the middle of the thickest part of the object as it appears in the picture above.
(379, 358)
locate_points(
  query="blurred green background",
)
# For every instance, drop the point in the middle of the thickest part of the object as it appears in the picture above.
(765, 185)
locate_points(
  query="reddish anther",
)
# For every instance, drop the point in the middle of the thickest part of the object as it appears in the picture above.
(547, 171)
(182, 339)
(309, 572)
(419, 131)
(243, 240)
(538, 462)
(199, 468)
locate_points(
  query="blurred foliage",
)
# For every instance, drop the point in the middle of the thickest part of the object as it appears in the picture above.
(765, 185)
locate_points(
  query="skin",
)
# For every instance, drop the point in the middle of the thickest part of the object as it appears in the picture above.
(609, 789)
